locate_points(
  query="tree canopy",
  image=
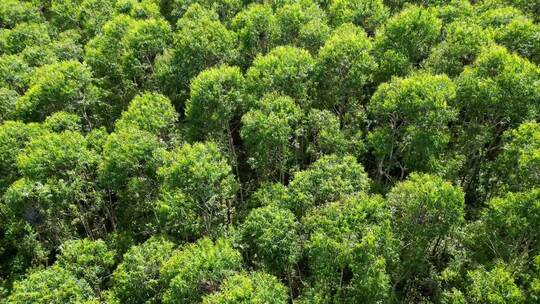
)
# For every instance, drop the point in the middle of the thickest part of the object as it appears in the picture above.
(270, 152)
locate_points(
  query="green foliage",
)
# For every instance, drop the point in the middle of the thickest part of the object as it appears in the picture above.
(349, 246)
(296, 22)
(53, 285)
(217, 99)
(494, 286)
(14, 136)
(201, 42)
(267, 194)
(344, 69)
(256, 287)
(64, 86)
(23, 35)
(496, 79)
(286, 70)
(327, 180)
(198, 269)
(62, 156)
(14, 73)
(88, 260)
(149, 112)
(324, 136)
(128, 155)
(499, 92)
(202, 174)
(62, 121)
(403, 140)
(268, 132)
(461, 46)
(405, 40)
(175, 9)
(257, 30)
(8, 99)
(213, 151)
(523, 37)
(366, 14)
(455, 10)
(137, 278)
(425, 210)
(517, 167)
(86, 15)
(128, 169)
(57, 191)
(506, 228)
(269, 236)
(13, 12)
(124, 55)
(495, 15)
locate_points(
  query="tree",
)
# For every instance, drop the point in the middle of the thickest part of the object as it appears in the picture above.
(62, 121)
(328, 179)
(14, 73)
(496, 15)
(462, 45)
(403, 141)
(88, 16)
(53, 285)
(202, 174)
(137, 278)
(23, 35)
(173, 10)
(142, 43)
(269, 237)
(257, 31)
(214, 109)
(14, 136)
(63, 156)
(505, 228)
(54, 200)
(521, 36)
(102, 53)
(257, 287)
(426, 210)
(494, 286)
(366, 14)
(455, 10)
(8, 99)
(57, 190)
(268, 133)
(302, 24)
(517, 166)
(88, 260)
(497, 93)
(344, 69)
(128, 170)
(275, 194)
(150, 112)
(324, 136)
(64, 86)
(201, 42)
(426, 213)
(406, 40)
(534, 284)
(286, 70)
(124, 55)
(199, 269)
(138, 9)
(13, 12)
(349, 247)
